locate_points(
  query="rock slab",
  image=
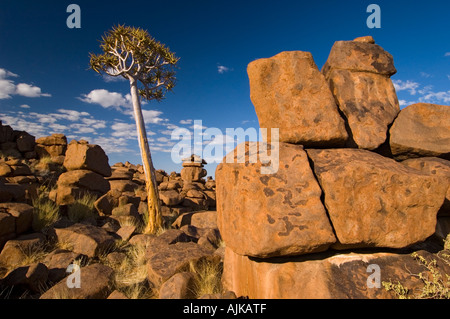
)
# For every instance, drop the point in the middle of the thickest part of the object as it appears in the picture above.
(289, 93)
(272, 215)
(374, 201)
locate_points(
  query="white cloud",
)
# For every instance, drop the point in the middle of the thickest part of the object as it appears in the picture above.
(124, 130)
(223, 69)
(107, 99)
(6, 74)
(402, 102)
(436, 97)
(151, 116)
(408, 85)
(25, 106)
(97, 124)
(69, 115)
(447, 54)
(186, 122)
(425, 75)
(163, 139)
(8, 88)
(27, 90)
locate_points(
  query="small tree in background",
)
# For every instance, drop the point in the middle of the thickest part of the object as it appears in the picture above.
(149, 66)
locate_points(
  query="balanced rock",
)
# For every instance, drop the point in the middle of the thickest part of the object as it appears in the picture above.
(374, 201)
(272, 215)
(289, 93)
(358, 73)
(193, 173)
(421, 130)
(87, 156)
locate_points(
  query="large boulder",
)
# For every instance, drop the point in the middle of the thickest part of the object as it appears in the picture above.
(170, 197)
(73, 184)
(25, 142)
(358, 73)
(289, 93)
(272, 215)
(96, 282)
(53, 146)
(22, 213)
(87, 156)
(374, 201)
(17, 250)
(31, 277)
(421, 130)
(179, 286)
(326, 275)
(85, 239)
(434, 166)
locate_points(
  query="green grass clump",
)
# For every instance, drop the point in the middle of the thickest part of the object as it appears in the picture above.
(46, 212)
(82, 208)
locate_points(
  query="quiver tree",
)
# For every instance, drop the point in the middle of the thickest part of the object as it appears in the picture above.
(149, 66)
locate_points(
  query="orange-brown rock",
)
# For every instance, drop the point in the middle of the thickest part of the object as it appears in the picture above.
(73, 184)
(374, 201)
(272, 215)
(87, 156)
(324, 275)
(290, 93)
(360, 55)
(22, 213)
(358, 73)
(85, 239)
(193, 173)
(421, 130)
(96, 282)
(434, 166)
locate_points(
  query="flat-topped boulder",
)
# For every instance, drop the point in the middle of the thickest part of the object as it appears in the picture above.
(87, 157)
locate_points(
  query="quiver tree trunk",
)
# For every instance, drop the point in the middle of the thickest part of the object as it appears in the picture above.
(154, 206)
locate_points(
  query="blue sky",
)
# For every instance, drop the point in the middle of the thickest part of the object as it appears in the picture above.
(46, 87)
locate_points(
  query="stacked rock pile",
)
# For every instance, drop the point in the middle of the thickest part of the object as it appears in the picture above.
(355, 174)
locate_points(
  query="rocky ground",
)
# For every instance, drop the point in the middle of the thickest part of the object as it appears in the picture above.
(62, 205)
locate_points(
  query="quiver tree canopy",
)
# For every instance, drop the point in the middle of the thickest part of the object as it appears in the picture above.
(132, 53)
